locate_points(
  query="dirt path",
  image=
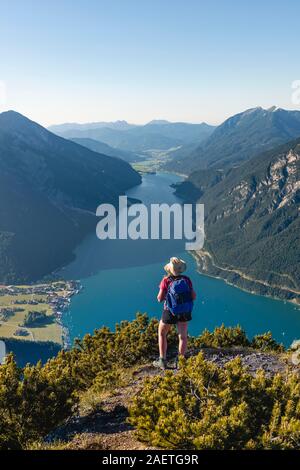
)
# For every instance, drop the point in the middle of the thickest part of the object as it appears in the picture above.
(106, 428)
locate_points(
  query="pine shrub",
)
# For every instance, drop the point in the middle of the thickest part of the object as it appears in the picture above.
(265, 342)
(222, 337)
(207, 407)
(201, 406)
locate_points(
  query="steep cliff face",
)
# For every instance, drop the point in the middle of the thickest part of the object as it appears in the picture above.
(252, 223)
(274, 190)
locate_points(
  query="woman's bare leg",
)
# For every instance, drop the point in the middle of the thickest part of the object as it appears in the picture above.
(163, 330)
(182, 334)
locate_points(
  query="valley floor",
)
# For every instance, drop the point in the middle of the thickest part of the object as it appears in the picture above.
(51, 298)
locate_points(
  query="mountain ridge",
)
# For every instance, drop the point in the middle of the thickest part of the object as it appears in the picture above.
(240, 138)
(157, 134)
(119, 124)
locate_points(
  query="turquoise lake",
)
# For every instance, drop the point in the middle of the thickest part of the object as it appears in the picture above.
(121, 277)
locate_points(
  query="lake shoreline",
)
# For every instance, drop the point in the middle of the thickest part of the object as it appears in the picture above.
(99, 267)
(56, 298)
(294, 301)
(205, 272)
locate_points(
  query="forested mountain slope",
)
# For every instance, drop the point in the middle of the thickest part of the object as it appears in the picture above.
(252, 221)
(240, 138)
(49, 190)
(101, 147)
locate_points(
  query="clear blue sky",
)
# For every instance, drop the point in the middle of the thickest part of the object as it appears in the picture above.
(189, 60)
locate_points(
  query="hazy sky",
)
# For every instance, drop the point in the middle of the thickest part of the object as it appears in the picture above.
(187, 60)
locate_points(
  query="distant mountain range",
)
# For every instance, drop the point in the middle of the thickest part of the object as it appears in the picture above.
(118, 125)
(49, 190)
(156, 135)
(189, 147)
(252, 221)
(238, 139)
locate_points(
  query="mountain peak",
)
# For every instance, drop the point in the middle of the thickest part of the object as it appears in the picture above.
(273, 109)
(11, 114)
(251, 110)
(18, 124)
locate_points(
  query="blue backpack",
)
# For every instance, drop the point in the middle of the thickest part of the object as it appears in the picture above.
(179, 296)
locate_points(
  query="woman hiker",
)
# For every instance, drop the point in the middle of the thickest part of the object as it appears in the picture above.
(177, 293)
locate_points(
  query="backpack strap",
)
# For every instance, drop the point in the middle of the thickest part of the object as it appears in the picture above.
(176, 278)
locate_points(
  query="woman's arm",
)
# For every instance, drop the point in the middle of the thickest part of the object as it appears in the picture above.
(161, 295)
(163, 287)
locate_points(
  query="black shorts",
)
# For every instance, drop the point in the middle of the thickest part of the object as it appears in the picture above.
(170, 319)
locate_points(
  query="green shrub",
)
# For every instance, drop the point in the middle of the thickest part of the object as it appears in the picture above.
(199, 407)
(37, 398)
(136, 341)
(265, 342)
(206, 407)
(222, 337)
(131, 343)
(32, 402)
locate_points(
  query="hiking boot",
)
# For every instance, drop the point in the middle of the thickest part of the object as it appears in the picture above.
(176, 364)
(160, 363)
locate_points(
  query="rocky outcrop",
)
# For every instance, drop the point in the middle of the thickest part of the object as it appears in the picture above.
(105, 427)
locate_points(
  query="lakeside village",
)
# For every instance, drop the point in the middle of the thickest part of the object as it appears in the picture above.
(34, 312)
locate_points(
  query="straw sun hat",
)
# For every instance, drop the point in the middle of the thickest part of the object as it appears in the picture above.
(175, 267)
